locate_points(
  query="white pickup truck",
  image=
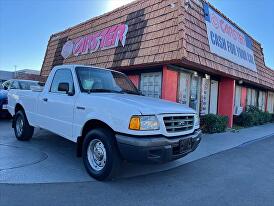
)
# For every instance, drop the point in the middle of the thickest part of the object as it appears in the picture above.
(103, 112)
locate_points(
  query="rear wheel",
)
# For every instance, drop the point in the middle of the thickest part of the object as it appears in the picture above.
(100, 154)
(23, 131)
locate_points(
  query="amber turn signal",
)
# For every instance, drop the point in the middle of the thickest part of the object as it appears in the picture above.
(134, 123)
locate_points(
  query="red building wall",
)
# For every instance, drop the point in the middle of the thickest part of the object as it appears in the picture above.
(135, 79)
(226, 99)
(169, 84)
(243, 97)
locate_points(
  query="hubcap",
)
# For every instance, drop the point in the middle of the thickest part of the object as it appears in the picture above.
(97, 155)
(19, 125)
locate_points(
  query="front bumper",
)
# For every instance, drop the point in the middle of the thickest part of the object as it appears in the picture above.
(3, 110)
(4, 113)
(157, 148)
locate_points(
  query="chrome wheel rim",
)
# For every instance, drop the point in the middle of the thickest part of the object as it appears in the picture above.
(97, 155)
(19, 125)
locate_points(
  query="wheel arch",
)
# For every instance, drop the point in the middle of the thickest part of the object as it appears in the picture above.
(89, 125)
(17, 108)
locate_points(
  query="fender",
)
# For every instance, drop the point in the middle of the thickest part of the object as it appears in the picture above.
(108, 121)
(90, 124)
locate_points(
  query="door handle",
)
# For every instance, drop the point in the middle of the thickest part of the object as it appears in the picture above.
(45, 99)
(80, 108)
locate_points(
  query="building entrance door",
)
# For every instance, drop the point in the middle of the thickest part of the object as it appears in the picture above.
(213, 97)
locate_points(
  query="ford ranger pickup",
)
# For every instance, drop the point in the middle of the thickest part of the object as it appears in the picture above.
(110, 120)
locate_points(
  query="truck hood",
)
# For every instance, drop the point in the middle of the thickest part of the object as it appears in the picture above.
(149, 105)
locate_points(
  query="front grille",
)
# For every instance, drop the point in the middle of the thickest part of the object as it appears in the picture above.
(178, 123)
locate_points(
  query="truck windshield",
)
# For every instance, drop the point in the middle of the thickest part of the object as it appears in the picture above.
(101, 80)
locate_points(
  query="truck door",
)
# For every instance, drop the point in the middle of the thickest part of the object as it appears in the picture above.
(55, 106)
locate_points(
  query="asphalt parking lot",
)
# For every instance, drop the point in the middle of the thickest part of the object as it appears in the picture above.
(239, 176)
(226, 169)
(48, 158)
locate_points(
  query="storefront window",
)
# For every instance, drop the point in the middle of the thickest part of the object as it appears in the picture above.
(201, 94)
(195, 93)
(261, 100)
(237, 101)
(151, 84)
(184, 88)
(252, 97)
(270, 102)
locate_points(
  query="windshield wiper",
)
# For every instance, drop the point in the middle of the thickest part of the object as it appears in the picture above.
(113, 91)
(131, 92)
(103, 90)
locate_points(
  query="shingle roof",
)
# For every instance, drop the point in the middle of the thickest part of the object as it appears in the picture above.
(159, 31)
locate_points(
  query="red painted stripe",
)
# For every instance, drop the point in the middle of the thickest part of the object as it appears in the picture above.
(169, 84)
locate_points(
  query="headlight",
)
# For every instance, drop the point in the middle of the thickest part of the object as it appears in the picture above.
(144, 123)
(196, 120)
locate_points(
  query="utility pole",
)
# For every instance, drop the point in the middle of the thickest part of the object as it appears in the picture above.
(15, 74)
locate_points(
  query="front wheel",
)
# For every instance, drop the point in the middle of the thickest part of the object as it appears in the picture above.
(100, 154)
(23, 131)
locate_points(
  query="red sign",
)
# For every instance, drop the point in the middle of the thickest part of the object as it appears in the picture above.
(105, 39)
(227, 29)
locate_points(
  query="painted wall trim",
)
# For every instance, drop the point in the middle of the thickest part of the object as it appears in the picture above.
(135, 79)
(226, 99)
(243, 97)
(169, 84)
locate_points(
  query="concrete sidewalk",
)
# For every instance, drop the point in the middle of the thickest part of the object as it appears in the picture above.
(49, 158)
(212, 144)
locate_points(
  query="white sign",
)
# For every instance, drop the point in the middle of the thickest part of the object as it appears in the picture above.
(105, 39)
(227, 41)
(205, 96)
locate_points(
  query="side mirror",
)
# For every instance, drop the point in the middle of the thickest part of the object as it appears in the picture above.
(63, 87)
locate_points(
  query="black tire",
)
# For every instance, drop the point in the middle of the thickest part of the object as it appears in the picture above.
(113, 160)
(27, 130)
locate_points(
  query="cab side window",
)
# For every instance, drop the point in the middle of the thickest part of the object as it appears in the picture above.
(14, 85)
(62, 76)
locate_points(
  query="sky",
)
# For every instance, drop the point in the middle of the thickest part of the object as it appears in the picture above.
(26, 25)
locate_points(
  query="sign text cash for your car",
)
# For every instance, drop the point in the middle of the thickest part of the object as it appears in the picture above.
(227, 41)
(105, 39)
